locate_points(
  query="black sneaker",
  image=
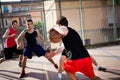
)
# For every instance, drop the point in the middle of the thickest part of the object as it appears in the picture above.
(20, 64)
(101, 69)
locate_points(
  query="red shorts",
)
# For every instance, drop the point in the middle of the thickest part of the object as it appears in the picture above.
(80, 65)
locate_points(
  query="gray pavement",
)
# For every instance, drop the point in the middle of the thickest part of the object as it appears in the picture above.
(41, 69)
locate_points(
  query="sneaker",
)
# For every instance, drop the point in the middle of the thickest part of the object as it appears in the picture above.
(22, 73)
(20, 64)
(56, 66)
(101, 69)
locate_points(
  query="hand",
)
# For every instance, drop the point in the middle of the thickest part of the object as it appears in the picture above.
(50, 55)
(12, 35)
(19, 47)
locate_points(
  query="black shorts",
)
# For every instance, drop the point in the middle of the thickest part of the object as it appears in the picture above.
(38, 50)
(8, 52)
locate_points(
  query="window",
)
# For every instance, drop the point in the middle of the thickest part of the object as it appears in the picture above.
(6, 9)
(15, 9)
(25, 8)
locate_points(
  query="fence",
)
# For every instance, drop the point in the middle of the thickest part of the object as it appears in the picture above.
(97, 21)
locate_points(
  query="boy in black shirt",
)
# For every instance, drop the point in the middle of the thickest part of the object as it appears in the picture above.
(78, 57)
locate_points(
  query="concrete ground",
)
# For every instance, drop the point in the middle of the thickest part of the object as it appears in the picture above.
(41, 69)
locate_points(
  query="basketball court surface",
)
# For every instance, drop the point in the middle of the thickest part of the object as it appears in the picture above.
(41, 69)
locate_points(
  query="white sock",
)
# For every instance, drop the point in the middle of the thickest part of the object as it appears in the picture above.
(59, 75)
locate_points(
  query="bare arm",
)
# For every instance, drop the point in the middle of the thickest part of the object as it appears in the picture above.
(19, 38)
(59, 50)
(40, 36)
(6, 34)
(61, 29)
(53, 53)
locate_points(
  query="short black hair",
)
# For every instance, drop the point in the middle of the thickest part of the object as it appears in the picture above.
(29, 20)
(14, 21)
(62, 21)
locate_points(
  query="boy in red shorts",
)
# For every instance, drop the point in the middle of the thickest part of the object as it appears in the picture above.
(78, 58)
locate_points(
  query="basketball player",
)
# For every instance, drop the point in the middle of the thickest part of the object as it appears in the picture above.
(78, 58)
(10, 45)
(30, 34)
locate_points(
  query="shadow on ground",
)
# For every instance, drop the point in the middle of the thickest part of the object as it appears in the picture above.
(113, 71)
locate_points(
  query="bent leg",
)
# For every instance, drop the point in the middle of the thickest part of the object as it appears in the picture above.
(24, 62)
(51, 60)
(94, 61)
(96, 64)
(22, 73)
(20, 60)
(71, 76)
(62, 59)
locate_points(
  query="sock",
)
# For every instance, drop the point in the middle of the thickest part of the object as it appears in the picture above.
(59, 75)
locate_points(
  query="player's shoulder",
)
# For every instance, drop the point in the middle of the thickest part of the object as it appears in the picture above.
(10, 29)
(25, 30)
(35, 29)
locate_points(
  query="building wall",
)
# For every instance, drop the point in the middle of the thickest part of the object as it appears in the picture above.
(50, 13)
(96, 14)
(21, 12)
(51, 17)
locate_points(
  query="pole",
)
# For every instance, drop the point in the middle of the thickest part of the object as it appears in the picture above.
(114, 27)
(1, 28)
(44, 24)
(59, 2)
(2, 16)
(82, 23)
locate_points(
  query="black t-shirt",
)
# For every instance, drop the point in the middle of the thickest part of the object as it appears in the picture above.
(74, 46)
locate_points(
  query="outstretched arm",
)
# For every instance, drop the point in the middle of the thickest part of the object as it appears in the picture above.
(19, 40)
(53, 53)
(60, 29)
(40, 36)
(6, 34)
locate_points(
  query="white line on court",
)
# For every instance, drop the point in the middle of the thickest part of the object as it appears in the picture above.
(114, 56)
(46, 72)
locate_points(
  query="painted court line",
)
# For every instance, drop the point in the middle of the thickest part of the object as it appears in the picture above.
(46, 72)
(114, 56)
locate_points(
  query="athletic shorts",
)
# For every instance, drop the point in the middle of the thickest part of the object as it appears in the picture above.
(8, 52)
(37, 49)
(83, 65)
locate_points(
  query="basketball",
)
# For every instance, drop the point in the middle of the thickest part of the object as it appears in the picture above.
(54, 36)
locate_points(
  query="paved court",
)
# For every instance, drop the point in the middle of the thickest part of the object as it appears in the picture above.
(41, 69)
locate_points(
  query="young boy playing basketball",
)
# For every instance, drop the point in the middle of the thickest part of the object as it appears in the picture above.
(30, 34)
(78, 58)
